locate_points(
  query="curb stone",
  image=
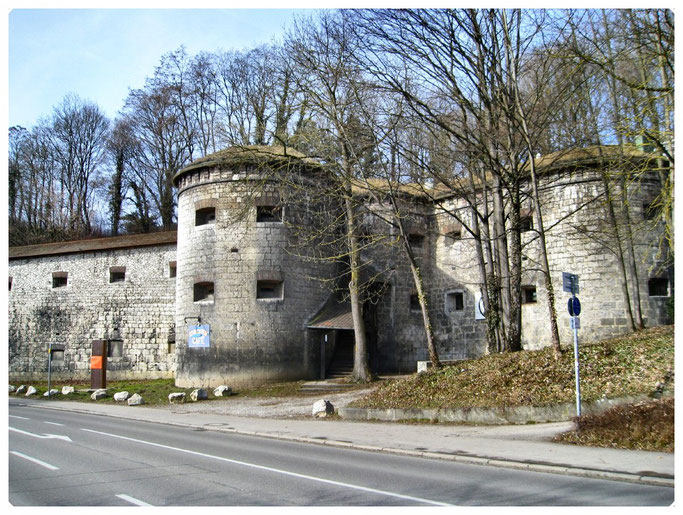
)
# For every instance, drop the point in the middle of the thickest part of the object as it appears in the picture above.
(488, 416)
(476, 460)
(530, 466)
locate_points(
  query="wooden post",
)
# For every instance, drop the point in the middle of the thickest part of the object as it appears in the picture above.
(98, 364)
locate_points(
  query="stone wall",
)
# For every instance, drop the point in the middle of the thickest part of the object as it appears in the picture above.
(252, 339)
(458, 332)
(394, 323)
(580, 240)
(139, 305)
(258, 282)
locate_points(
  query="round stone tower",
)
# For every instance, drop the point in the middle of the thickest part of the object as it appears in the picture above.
(246, 285)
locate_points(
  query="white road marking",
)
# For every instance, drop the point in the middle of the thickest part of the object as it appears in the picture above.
(48, 436)
(132, 500)
(278, 471)
(17, 416)
(34, 460)
(53, 423)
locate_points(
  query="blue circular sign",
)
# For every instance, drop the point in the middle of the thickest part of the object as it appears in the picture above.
(574, 307)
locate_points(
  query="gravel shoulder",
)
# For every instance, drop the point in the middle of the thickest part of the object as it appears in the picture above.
(266, 407)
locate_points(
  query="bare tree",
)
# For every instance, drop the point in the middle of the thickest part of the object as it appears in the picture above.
(321, 56)
(256, 96)
(79, 133)
(162, 150)
(204, 104)
(629, 54)
(122, 148)
(56, 174)
(514, 43)
(16, 143)
(633, 51)
(450, 67)
(382, 180)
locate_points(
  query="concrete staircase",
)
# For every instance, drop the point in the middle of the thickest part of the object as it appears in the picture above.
(341, 367)
(342, 362)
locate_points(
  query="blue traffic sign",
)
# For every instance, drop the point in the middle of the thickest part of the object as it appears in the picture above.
(570, 283)
(574, 307)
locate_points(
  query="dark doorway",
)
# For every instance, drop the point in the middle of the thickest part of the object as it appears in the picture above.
(342, 359)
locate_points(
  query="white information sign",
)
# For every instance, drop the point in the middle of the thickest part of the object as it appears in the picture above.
(479, 307)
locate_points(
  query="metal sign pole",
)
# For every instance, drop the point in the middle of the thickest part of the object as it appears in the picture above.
(49, 369)
(576, 364)
(570, 284)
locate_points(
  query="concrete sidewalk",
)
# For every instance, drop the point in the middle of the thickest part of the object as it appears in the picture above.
(525, 447)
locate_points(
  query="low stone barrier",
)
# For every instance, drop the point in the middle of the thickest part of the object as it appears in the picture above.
(488, 416)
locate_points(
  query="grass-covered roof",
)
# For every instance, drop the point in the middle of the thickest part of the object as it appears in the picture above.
(237, 156)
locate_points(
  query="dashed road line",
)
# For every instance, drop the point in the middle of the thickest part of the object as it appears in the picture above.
(278, 471)
(34, 460)
(132, 500)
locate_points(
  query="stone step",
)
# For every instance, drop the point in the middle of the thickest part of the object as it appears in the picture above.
(338, 374)
(324, 387)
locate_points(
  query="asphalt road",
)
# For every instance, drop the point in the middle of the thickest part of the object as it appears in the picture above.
(61, 458)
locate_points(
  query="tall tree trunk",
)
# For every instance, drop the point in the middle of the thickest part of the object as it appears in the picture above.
(361, 368)
(501, 268)
(491, 292)
(630, 255)
(429, 333)
(514, 342)
(116, 202)
(629, 258)
(619, 252)
(419, 285)
(492, 344)
(538, 221)
(545, 265)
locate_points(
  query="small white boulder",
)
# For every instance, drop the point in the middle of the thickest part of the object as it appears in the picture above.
(222, 391)
(31, 391)
(66, 390)
(52, 392)
(135, 400)
(322, 408)
(176, 397)
(98, 394)
(121, 396)
(200, 394)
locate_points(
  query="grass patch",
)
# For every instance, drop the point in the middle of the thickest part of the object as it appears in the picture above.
(629, 365)
(645, 426)
(287, 389)
(153, 392)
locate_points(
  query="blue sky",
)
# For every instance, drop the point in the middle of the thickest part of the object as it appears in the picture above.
(100, 54)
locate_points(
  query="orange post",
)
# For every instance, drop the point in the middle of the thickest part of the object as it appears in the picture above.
(98, 364)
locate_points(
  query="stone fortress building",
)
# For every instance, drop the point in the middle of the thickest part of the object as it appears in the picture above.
(238, 296)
